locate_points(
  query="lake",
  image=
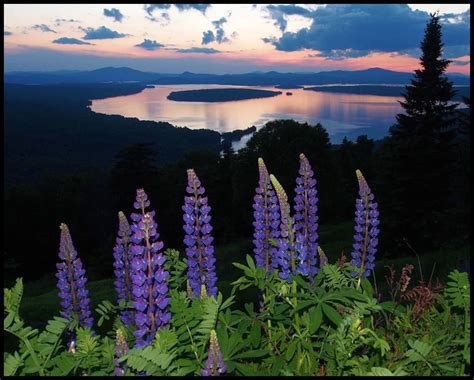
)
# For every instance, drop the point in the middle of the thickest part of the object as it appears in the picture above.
(341, 114)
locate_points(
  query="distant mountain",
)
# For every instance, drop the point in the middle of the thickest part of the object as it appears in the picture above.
(374, 75)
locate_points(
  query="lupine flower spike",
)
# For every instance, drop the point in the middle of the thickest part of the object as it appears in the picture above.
(122, 264)
(365, 237)
(198, 239)
(150, 291)
(266, 221)
(286, 259)
(306, 220)
(215, 365)
(72, 282)
(121, 349)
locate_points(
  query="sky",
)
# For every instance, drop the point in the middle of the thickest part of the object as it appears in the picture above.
(228, 38)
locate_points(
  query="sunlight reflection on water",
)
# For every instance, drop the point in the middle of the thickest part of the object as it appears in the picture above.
(341, 114)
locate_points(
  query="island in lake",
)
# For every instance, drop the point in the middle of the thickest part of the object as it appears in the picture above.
(220, 95)
(288, 86)
(381, 90)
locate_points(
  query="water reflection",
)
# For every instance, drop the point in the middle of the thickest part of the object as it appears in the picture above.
(341, 114)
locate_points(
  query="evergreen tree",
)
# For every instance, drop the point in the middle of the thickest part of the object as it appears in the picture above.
(416, 188)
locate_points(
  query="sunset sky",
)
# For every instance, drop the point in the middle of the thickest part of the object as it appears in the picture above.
(233, 38)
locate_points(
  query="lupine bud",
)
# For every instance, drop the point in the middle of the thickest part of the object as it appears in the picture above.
(266, 221)
(286, 259)
(189, 290)
(72, 282)
(123, 261)
(150, 292)
(365, 238)
(198, 239)
(203, 291)
(72, 346)
(215, 365)
(306, 207)
(121, 349)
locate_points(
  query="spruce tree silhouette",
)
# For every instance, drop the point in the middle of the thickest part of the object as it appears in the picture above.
(417, 159)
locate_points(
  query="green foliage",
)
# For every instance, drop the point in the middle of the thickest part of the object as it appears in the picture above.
(458, 291)
(334, 326)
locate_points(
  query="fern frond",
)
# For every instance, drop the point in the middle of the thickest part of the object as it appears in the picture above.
(12, 297)
(334, 278)
(11, 363)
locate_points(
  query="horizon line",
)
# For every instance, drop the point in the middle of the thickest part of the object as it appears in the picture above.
(207, 73)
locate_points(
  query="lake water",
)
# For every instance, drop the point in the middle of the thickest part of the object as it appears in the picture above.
(341, 114)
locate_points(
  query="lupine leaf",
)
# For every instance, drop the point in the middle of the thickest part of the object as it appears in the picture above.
(332, 314)
(315, 319)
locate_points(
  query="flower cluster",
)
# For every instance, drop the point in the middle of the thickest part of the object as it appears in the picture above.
(306, 225)
(286, 259)
(215, 365)
(121, 349)
(198, 240)
(266, 221)
(72, 281)
(365, 237)
(122, 264)
(150, 291)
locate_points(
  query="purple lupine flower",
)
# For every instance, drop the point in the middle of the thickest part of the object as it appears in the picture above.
(72, 282)
(365, 237)
(301, 255)
(286, 259)
(215, 365)
(122, 264)
(198, 239)
(306, 220)
(121, 349)
(149, 290)
(266, 221)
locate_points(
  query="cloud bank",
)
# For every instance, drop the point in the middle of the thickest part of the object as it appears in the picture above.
(43, 28)
(353, 30)
(101, 33)
(199, 50)
(150, 45)
(70, 41)
(113, 13)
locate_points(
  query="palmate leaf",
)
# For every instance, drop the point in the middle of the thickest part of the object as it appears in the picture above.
(419, 351)
(254, 354)
(332, 314)
(315, 319)
(230, 345)
(247, 370)
(255, 335)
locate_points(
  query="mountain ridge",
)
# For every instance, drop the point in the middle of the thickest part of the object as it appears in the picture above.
(373, 75)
